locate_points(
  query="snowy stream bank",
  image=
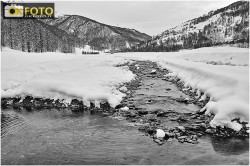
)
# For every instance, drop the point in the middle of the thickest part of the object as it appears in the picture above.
(95, 77)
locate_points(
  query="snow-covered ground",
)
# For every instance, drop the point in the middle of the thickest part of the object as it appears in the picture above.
(218, 55)
(94, 77)
(63, 76)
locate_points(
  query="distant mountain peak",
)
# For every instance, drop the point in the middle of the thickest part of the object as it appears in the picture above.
(98, 35)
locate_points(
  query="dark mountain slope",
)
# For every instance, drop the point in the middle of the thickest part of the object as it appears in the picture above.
(98, 35)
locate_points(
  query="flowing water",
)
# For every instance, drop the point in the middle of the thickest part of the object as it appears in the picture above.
(64, 137)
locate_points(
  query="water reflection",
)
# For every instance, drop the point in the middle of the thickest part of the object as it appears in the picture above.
(233, 146)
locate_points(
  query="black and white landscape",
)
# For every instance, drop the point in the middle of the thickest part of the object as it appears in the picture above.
(77, 91)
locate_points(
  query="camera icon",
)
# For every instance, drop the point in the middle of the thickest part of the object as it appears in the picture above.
(13, 11)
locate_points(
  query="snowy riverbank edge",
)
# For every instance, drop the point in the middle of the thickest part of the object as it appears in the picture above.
(182, 125)
(56, 75)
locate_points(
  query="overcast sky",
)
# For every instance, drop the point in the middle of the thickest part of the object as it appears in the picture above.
(151, 17)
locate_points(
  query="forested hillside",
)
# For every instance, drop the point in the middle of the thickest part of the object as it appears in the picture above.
(32, 35)
(228, 25)
(65, 33)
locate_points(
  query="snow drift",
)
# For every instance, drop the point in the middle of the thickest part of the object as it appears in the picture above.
(63, 76)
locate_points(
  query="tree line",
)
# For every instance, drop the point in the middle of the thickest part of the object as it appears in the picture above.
(224, 30)
(32, 35)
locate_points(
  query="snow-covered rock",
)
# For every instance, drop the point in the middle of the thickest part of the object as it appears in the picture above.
(124, 108)
(153, 71)
(123, 89)
(160, 133)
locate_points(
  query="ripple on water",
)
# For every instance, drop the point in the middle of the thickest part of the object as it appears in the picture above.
(63, 137)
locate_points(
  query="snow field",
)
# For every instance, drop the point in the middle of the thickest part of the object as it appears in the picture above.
(63, 76)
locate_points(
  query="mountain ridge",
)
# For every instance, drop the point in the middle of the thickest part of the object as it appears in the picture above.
(222, 26)
(227, 25)
(98, 35)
